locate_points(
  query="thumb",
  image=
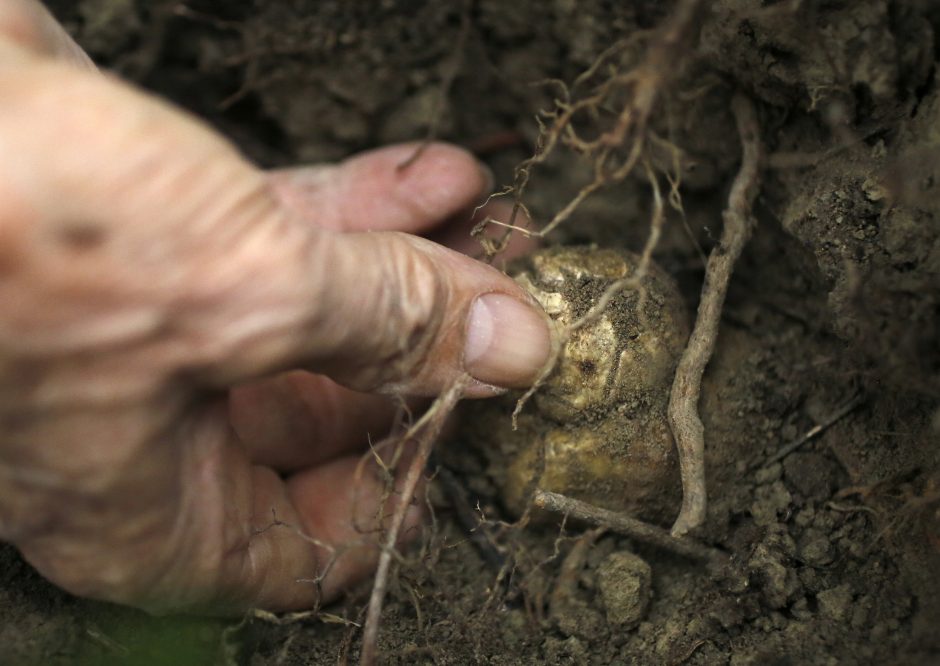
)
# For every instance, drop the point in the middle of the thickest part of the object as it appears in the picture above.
(400, 313)
(162, 253)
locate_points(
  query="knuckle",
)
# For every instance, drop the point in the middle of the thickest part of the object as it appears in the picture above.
(20, 24)
(409, 311)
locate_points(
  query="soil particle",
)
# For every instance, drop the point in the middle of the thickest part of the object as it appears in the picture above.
(770, 568)
(109, 25)
(579, 618)
(625, 584)
(771, 501)
(570, 650)
(812, 475)
(816, 548)
(835, 602)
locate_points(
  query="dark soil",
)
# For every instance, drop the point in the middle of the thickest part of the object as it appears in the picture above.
(835, 547)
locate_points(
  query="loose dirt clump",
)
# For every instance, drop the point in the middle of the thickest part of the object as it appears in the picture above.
(819, 405)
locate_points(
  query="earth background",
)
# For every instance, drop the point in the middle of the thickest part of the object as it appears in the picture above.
(836, 299)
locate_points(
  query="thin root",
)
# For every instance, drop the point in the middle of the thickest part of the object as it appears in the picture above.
(631, 527)
(684, 420)
(617, 150)
(424, 433)
(816, 430)
(447, 83)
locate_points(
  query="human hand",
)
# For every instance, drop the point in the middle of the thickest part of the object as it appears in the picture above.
(163, 307)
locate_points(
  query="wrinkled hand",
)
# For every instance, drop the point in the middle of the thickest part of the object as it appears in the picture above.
(146, 269)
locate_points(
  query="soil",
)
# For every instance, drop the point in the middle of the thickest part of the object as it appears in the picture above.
(835, 547)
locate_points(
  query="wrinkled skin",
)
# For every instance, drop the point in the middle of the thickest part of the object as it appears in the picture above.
(164, 306)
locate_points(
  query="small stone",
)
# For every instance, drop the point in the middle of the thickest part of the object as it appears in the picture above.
(567, 651)
(810, 579)
(804, 517)
(577, 618)
(854, 548)
(835, 602)
(768, 474)
(800, 610)
(625, 584)
(860, 614)
(767, 566)
(825, 521)
(769, 502)
(778, 620)
(816, 549)
(809, 474)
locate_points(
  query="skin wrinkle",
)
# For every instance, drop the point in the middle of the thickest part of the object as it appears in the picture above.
(74, 331)
(142, 142)
(422, 321)
(88, 509)
(280, 540)
(202, 485)
(16, 218)
(186, 347)
(334, 207)
(122, 379)
(274, 316)
(110, 329)
(91, 336)
(411, 322)
(176, 542)
(23, 517)
(246, 221)
(338, 191)
(354, 552)
(89, 473)
(50, 512)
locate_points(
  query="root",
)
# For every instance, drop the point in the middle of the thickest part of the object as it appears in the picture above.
(472, 521)
(564, 595)
(816, 430)
(630, 527)
(460, 48)
(619, 149)
(684, 420)
(324, 569)
(423, 433)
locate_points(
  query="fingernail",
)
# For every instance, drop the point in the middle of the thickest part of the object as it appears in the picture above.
(508, 341)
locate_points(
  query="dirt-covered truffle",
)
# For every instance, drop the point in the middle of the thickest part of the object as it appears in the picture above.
(597, 429)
